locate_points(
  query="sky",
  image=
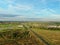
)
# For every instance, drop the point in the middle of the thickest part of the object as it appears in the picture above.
(17, 10)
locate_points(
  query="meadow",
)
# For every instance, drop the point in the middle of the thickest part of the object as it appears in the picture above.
(50, 35)
(29, 33)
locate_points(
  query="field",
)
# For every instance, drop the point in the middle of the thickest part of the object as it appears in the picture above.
(52, 37)
(14, 33)
(29, 33)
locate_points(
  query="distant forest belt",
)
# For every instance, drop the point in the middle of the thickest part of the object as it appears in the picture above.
(36, 39)
(41, 38)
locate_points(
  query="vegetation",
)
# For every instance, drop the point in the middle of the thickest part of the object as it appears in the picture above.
(50, 35)
(29, 33)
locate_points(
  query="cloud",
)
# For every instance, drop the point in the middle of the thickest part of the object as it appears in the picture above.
(20, 7)
(47, 13)
(56, 0)
(19, 11)
(9, 1)
(43, 1)
(13, 18)
(15, 9)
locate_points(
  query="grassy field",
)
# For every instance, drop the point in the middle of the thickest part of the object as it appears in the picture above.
(16, 34)
(12, 34)
(50, 35)
(19, 33)
(14, 37)
(53, 37)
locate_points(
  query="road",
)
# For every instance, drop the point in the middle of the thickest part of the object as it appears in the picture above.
(38, 36)
(34, 33)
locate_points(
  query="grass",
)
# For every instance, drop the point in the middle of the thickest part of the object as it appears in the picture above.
(9, 36)
(53, 37)
(13, 34)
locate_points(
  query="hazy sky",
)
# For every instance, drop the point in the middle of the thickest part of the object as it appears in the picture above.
(21, 9)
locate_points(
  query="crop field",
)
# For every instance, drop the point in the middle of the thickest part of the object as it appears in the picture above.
(50, 36)
(17, 34)
(29, 33)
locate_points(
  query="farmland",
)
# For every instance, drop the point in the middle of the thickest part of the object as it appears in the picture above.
(17, 34)
(29, 33)
(51, 36)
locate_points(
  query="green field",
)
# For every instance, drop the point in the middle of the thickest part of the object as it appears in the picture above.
(29, 33)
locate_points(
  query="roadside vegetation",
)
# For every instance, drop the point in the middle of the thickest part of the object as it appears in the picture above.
(29, 33)
(49, 34)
